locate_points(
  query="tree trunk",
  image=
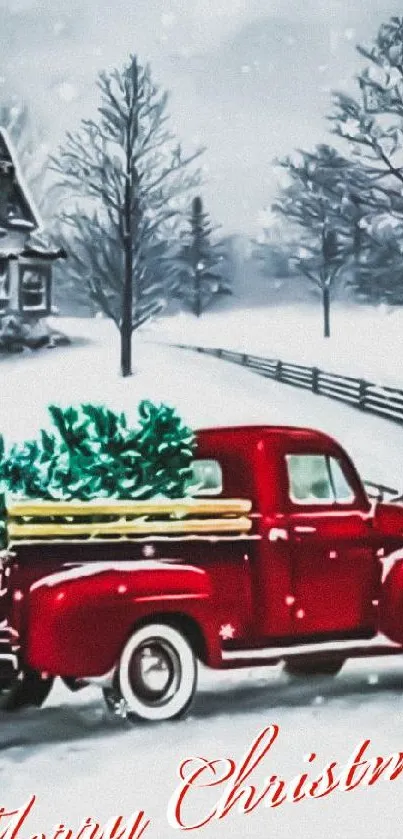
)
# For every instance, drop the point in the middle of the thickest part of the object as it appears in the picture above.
(326, 312)
(125, 351)
(357, 246)
(127, 311)
(126, 329)
(198, 291)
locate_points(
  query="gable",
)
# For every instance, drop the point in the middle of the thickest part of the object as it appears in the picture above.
(17, 207)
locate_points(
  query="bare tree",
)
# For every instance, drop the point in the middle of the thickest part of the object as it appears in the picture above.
(372, 126)
(318, 201)
(128, 176)
(372, 123)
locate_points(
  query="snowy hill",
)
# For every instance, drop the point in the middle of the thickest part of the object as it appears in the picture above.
(366, 341)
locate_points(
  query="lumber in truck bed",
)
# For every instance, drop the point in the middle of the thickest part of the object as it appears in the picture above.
(66, 520)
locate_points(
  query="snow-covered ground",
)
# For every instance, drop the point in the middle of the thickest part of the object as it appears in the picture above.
(206, 391)
(365, 342)
(79, 761)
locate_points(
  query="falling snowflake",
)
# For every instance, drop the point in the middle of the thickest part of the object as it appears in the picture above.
(227, 631)
(59, 27)
(245, 69)
(349, 34)
(44, 149)
(373, 679)
(333, 41)
(67, 92)
(350, 127)
(167, 20)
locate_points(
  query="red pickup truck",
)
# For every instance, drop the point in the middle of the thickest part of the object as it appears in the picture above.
(277, 555)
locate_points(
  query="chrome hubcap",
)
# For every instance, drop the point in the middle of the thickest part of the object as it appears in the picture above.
(155, 671)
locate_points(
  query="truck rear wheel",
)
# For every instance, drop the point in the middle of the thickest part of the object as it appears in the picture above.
(157, 673)
(28, 688)
(305, 668)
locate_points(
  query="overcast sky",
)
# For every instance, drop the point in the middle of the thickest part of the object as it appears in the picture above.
(250, 80)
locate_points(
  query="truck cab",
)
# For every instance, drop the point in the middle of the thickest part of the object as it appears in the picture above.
(316, 566)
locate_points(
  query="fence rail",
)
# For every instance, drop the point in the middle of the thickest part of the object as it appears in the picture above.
(385, 402)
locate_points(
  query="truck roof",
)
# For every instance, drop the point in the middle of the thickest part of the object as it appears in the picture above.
(256, 431)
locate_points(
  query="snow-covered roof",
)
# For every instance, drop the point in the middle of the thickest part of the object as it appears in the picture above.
(33, 252)
(22, 193)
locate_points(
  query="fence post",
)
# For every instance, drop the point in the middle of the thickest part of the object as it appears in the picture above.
(362, 394)
(278, 371)
(315, 380)
(244, 358)
(218, 353)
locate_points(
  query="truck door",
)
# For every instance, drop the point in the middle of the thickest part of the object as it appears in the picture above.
(335, 571)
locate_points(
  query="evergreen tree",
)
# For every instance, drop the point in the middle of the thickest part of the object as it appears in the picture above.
(202, 275)
(92, 452)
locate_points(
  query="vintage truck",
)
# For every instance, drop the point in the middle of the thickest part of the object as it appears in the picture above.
(277, 555)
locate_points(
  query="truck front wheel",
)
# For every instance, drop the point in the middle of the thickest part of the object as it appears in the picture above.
(157, 673)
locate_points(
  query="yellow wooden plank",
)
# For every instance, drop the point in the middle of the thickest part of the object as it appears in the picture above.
(178, 507)
(235, 525)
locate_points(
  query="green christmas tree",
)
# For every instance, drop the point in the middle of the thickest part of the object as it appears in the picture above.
(92, 452)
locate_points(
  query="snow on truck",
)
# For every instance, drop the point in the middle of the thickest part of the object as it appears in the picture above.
(278, 556)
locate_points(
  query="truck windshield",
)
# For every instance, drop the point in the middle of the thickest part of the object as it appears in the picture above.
(317, 479)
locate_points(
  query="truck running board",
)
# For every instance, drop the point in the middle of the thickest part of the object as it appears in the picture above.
(357, 648)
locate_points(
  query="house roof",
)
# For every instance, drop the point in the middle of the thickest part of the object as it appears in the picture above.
(33, 252)
(25, 212)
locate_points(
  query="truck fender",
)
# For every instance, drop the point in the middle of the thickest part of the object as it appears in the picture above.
(80, 618)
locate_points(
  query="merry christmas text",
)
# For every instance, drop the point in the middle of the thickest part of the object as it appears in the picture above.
(237, 786)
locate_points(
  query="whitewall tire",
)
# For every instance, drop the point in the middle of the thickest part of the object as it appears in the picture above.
(157, 673)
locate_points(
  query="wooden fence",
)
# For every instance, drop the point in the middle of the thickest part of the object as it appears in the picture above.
(386, 402)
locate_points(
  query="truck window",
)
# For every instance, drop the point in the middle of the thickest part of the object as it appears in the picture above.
(317, 479)
(206, 478)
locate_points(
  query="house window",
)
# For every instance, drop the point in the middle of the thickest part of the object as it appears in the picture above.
(4, 285)
(317, 479)
(34, 288)
(206, 478)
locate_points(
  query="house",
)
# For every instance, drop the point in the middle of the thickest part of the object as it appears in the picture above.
(25, 269)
